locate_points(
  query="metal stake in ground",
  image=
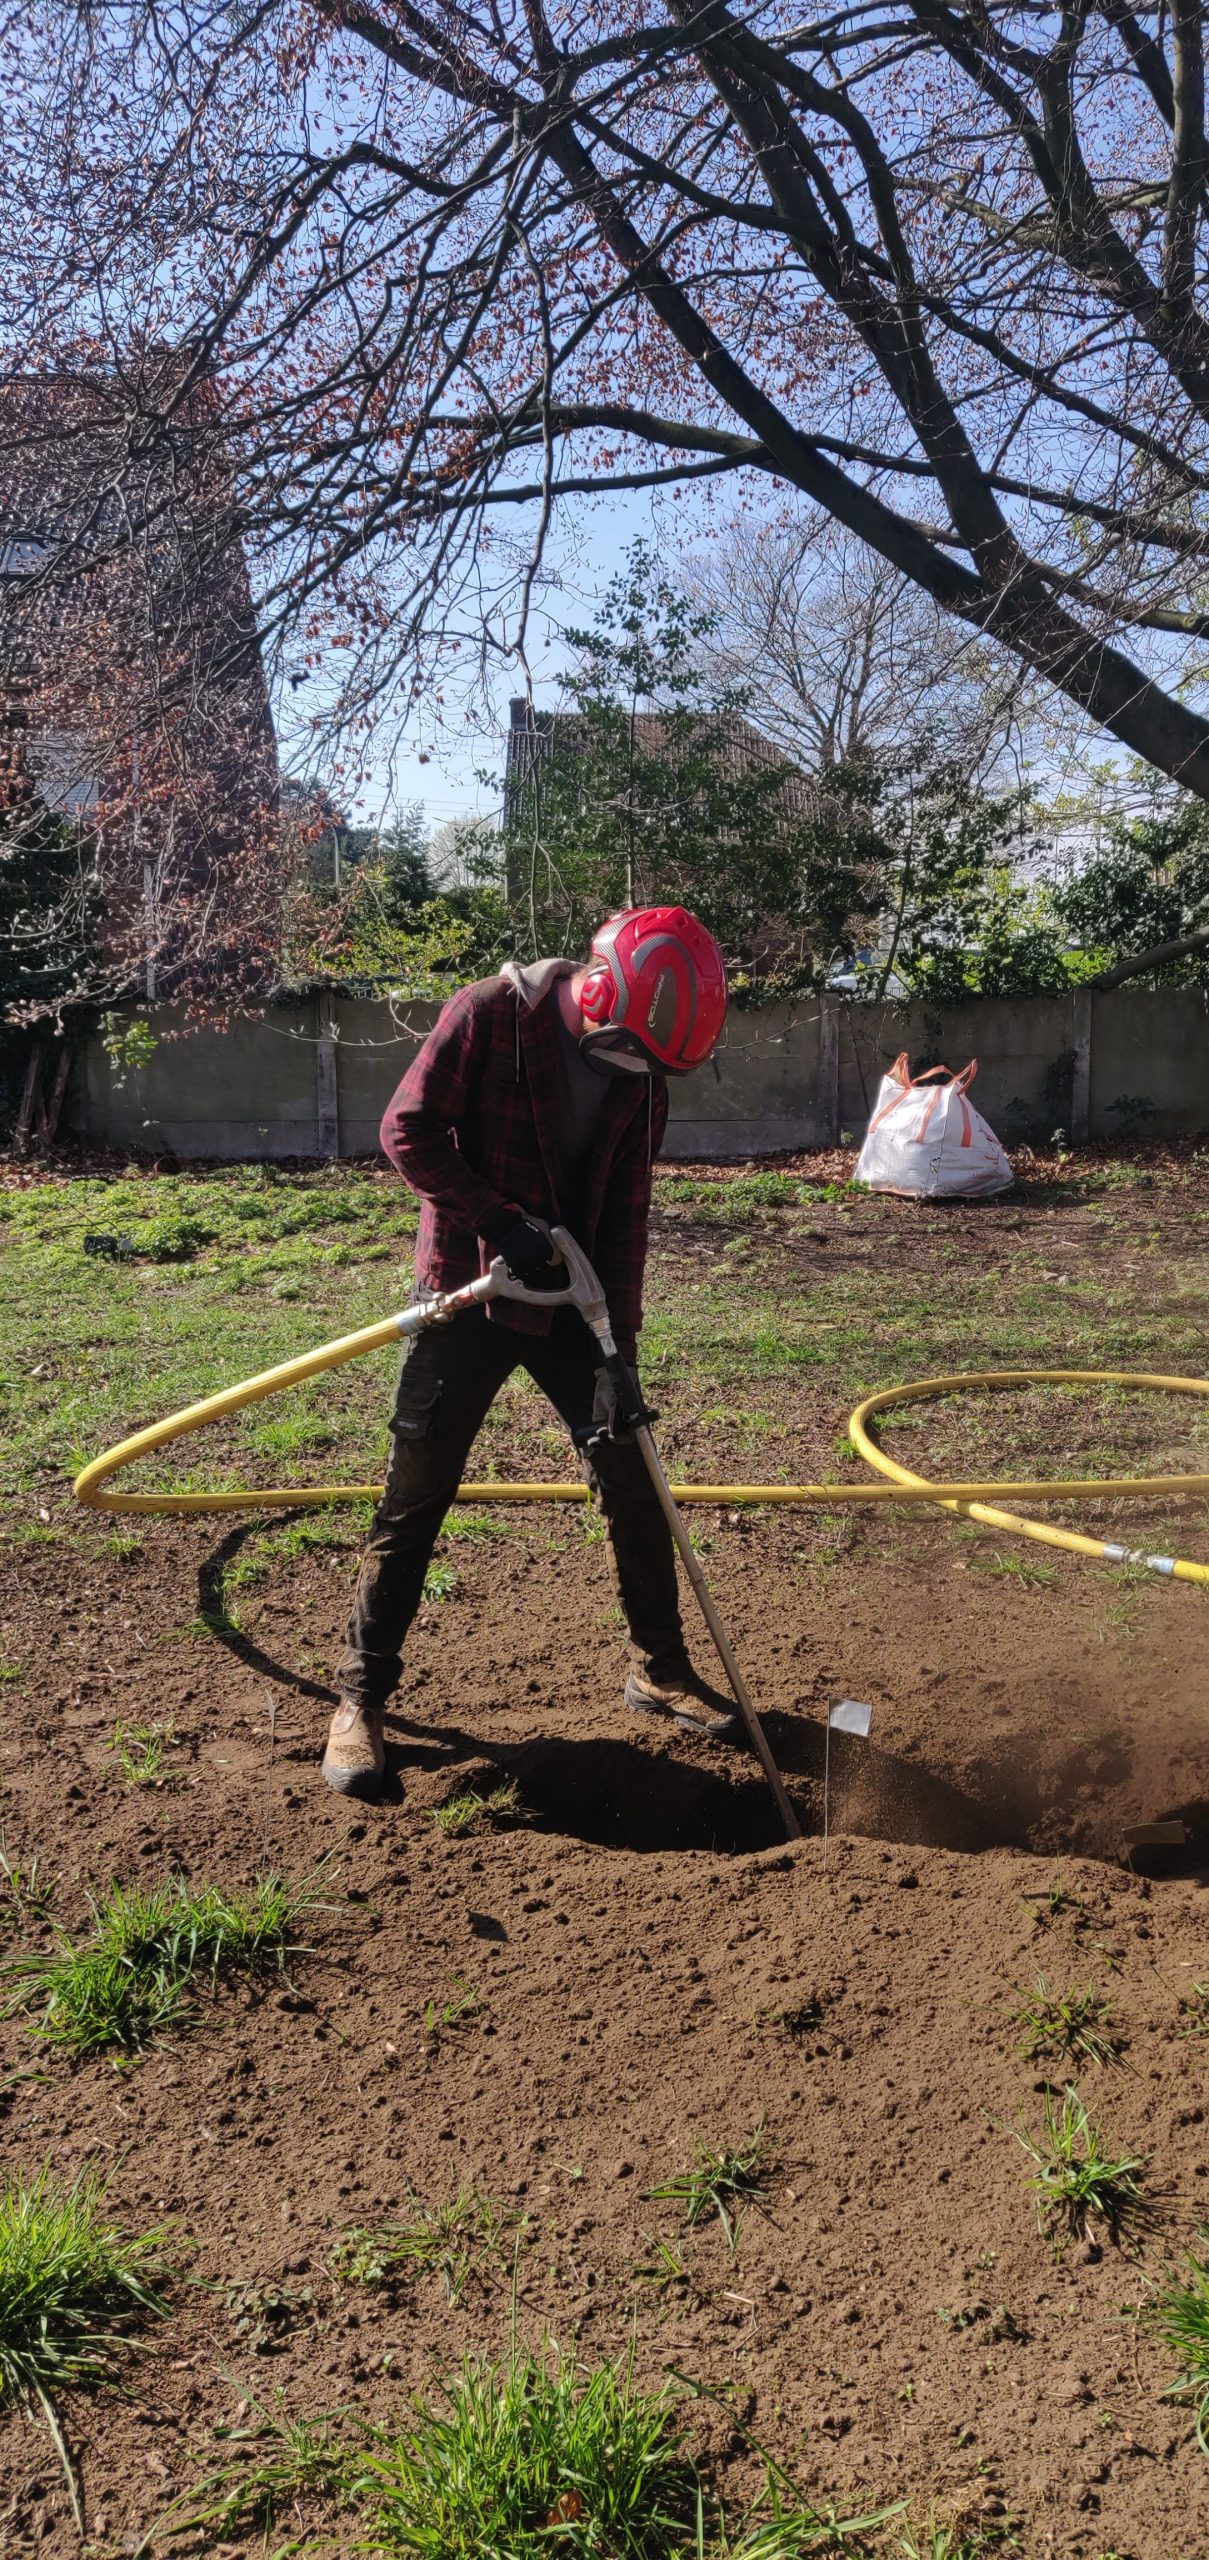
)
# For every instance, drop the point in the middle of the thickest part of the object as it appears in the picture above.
(684, 1548)
(849, 1717)
(583, 1291)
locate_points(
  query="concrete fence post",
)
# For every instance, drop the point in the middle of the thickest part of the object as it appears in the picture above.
(828, 1093)
(327, 1083)
(1080, 1041)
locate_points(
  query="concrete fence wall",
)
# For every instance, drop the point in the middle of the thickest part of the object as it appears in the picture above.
(313, 1078)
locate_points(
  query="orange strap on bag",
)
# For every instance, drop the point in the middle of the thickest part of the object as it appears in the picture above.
(900, 1074)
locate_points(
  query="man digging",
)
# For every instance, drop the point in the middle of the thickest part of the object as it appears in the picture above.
(539, 1094)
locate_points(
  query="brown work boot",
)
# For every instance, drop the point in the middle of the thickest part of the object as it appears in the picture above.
(669, 1686)
(355, 1759)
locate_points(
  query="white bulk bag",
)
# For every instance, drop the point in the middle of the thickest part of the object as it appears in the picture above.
(926, 1138)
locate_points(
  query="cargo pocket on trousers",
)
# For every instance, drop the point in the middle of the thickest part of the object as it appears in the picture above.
(415, 1402)
(410, 1463)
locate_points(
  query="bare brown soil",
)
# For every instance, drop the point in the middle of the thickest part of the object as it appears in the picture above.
(892, 2319)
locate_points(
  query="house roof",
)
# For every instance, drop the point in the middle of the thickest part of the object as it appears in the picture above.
(741, 749)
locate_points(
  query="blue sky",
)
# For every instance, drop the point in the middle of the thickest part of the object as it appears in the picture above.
(585, 547)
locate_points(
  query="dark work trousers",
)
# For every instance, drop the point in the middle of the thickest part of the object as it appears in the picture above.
(448, 1382)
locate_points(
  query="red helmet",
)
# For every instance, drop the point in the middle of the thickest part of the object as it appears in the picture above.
(655, 992)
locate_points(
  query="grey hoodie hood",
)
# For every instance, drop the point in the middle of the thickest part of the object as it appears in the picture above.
(534, 978)
(533, 981)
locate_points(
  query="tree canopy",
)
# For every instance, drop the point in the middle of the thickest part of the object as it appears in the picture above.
(936, 264)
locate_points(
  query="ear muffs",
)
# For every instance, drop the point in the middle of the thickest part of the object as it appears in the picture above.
(598, 997)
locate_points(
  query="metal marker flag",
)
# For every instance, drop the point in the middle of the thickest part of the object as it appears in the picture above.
(850, 1717)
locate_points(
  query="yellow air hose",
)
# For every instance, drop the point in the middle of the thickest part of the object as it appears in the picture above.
(976, 1501)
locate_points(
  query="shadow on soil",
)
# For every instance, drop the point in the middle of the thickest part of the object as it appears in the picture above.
(213, 1610)
(622, 1793)
(619, 1795)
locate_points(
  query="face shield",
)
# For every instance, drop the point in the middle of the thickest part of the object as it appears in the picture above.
(612, 1052)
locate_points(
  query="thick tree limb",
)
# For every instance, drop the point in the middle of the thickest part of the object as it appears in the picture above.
(1157, 957)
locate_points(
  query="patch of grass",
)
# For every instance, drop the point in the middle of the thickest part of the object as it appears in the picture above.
(214, 1618)
(806, 2019)
(474, 1526)
(457, 2011)
(26, 1894)
(136, 1976)
(468, 1811)
(1021, 1569)
(1076, 2181)
(1180, 2315)
(663, 2266)
(511, 2461)
(171, 1237)
(772, 1349)
(139, 1750)
(534, 2455)
(465, 2240)
(441, 1581)
(316, 1531)
(1072, 2024)
(1056, 1903)
(73, 2288)
(1120, 1618)
(278, 2462)
(721, 2183)
(934, 2541)
(266, 2315)
(122, 1544)
(252, 1565)
(1194, 2010)
(728, 1203)
(342, 1527)
(287, 1435)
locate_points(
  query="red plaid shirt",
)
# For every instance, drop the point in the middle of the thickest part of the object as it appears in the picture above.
(474, 1128)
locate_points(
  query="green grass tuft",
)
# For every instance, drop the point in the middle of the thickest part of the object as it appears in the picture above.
(465, 2240)
(531, 2457)
(25, 1894)
(1180, 2314)
(1194, 2010)
(302, 2458)
(136, 1976)
(805, 2018)
(72, 2285)
(139, 1750)
(1072, 2024)
(463, 2004)
(720, 2183)
(122, 1544)
(171, 1237)
(441, 1582)
(73, 2288)
(1075, 2180)
(1021, 1569)
(933, 2541)
(469, 1811)
(474, 1527)
(515, 2461)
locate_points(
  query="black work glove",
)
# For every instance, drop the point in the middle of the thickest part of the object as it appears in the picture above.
(618, 1405)
(526, 1249)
